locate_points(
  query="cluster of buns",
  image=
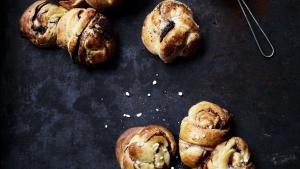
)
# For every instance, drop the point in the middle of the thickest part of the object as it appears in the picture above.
(85, 33)
(203, 143)
(169, 31)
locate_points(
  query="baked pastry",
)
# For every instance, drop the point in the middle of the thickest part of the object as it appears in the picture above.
(232, 154)
(206, 126)
(150, 147)
(87, 35)
(97, 4)
(38, 23)
(170, 31)
(69, 4)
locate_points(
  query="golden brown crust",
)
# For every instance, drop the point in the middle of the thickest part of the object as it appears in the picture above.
(69, 4)
(97, 4)
(38, 23)
(103, 4)
(170, 31)
(87, 35)
(231, 154)
(97, 42)
(205, 127)
(70, 27)
(149, 147)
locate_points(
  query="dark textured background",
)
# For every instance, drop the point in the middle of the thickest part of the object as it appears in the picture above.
(52, 115)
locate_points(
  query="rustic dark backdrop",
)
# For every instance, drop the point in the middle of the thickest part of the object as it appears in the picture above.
(53, 112)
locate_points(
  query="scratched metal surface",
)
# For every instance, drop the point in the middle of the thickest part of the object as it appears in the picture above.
(52, 114)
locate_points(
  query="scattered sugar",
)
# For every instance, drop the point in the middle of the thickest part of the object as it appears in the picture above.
(154, 82)
(126, 115)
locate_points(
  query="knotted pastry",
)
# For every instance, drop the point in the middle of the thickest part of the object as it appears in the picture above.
(97, 4)
(170, 31)
(148, 147)
(232, 154)
(38, 23)
(87, 35)
(204, 128)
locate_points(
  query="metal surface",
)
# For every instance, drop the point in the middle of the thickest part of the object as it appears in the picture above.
(53, 117)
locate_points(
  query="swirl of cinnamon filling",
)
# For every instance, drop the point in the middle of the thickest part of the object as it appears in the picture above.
(170, 31)
(87, 35)
(205, 127)
(232, 154)
(150, 147)
(38, 23)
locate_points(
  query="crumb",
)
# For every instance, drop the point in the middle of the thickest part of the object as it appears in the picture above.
(163, 119)
(149, 94)
(156, 74)
(101, 99)
(172, 168)
(126, 115)
(180, 93)
(106, 126)
(157, 109)
(139, 114)
(127, 94)
(154, 82)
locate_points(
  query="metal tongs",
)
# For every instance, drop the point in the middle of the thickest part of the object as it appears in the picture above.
(245, 7)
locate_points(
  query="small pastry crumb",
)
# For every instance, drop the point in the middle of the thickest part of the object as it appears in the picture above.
(126, 115)
(139, 114)
(157, 109)
(180, 94)
(106, 126)
(154, 82)
(127, 94)
(149, 94)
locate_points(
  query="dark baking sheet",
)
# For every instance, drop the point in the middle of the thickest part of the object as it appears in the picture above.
(52, 114)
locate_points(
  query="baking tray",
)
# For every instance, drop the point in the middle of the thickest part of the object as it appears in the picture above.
(54, 112)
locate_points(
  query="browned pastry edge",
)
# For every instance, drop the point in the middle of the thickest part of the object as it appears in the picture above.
(206, 126)
(179, 36)
(144, 133)
(97, 4)
(240, 146)
(70, 28)
(97, 43)
(103, 4)
(124, 140)
(69, 4)
(33, 23)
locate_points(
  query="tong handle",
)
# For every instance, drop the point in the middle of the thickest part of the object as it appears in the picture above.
(244, 6)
